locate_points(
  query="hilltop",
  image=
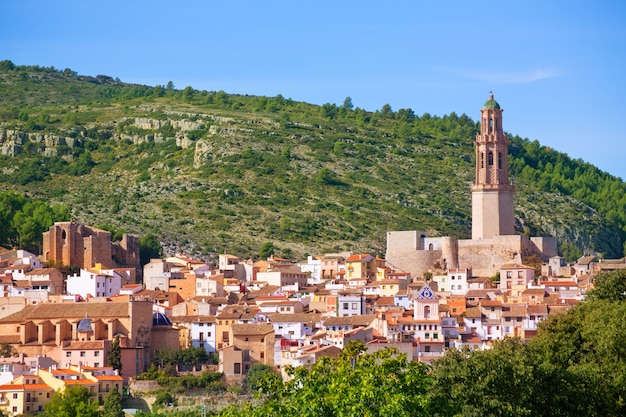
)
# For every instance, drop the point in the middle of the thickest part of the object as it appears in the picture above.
(211, 172)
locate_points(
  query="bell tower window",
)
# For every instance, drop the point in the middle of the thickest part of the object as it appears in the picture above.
(490, 159)
(499, 160)
(482, 160)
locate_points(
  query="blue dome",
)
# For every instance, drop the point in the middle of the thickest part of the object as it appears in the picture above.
(85, 325)
(160, 319)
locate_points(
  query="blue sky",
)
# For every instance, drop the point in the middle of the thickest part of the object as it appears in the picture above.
(557, 68)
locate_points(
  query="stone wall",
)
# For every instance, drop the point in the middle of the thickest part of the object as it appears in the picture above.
(484, 256)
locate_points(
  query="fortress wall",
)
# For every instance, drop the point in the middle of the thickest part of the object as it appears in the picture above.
(486, 256)
(404, 240)
(450, 252)
(545, 245)
(417, 262)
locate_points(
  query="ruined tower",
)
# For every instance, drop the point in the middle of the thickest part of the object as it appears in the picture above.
(492, 193)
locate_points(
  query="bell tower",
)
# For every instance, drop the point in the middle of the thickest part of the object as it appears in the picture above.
(492, 193)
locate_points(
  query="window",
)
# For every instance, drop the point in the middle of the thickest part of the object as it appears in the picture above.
(354, 306)
(499, 159)
(345, 306)
(96, 364)
(47, 395)
(247, 339)
(490, 159)
(82, 353)
(96, 353)
(435, 335)
(15, 395)
(201, 336)
(208, 334)
(68, 354)
(427, 335)
(262, 355)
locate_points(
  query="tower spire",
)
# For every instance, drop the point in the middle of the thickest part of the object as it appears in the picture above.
(492, 193)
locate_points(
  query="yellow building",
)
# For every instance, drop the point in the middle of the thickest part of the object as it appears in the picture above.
(30, 393)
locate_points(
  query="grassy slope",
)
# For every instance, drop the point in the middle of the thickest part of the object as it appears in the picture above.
(308, 178)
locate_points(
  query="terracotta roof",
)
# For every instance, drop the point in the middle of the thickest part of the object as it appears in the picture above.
(252, 329)
(41, 271)
(490, 303)
(514, 310)
(515, 266)
(536, 291)
(363, 257)
(537, 309)
(193, 319)
(23, 387)
(295, 318)
(361, 320)
(91, 345)
(385, 301)
(473, 313)
(52, 311)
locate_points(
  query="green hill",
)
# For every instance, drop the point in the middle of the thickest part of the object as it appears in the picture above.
(210, 172)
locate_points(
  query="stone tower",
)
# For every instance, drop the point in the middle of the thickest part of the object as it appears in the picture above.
(492, 193)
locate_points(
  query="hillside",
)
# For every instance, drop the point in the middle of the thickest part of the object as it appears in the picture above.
(210, 172)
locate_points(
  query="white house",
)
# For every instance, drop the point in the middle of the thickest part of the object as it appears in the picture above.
(203, 334)
(455, 282)
(95, 282)
(314, 267)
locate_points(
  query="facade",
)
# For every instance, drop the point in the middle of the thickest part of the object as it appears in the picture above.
(84, 246)
(515, 279)
(94, 282)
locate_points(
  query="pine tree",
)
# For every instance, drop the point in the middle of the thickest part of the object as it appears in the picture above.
(115, 355)
(112, 405)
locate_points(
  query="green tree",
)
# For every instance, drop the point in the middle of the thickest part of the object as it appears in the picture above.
(347, 103)
(112, 405)
(7, 351)
(261, 377)
(609, 286)
(382, 383)
(73, 402)
(115, 355)
(149, 248)
(266, 250)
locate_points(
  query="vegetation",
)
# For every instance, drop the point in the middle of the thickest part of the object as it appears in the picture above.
(115, 355)
(205, 172)
(112, 405)
(74, 401)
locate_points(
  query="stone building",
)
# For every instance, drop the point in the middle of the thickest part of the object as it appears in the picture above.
(84, 246)
(54, 329)
(493, 243)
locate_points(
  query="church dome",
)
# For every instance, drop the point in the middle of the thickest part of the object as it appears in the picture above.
(160, 319)
(491, 103)
(85, 325)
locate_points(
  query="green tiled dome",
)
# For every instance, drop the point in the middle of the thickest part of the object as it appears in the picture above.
(491, 103)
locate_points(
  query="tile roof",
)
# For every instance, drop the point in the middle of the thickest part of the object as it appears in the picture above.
(295, 318)
(52, 311)
(362, 320)
(256, 329)
(91, 345)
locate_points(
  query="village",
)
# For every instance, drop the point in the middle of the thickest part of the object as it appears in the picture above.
(427, 295)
